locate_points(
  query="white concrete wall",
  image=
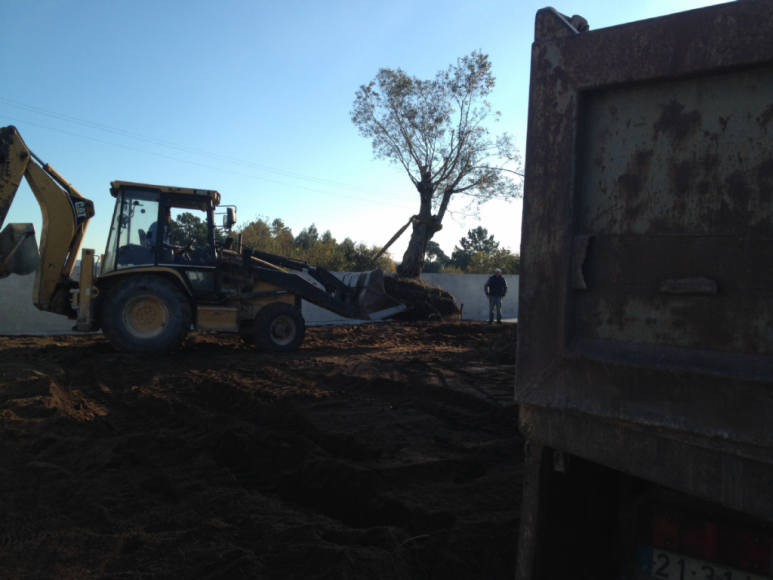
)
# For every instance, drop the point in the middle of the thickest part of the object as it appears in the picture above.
(468, 290)
(19, 316)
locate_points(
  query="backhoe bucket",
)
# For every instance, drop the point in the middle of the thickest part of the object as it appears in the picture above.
(370, 299)
(18, 250)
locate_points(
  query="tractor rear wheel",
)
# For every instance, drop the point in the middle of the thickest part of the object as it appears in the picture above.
(279, 327)
(146, 314)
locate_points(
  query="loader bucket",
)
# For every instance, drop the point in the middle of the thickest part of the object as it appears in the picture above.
(370, 300)
(18, 250)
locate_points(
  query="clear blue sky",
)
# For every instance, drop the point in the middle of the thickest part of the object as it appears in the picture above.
(125, 90)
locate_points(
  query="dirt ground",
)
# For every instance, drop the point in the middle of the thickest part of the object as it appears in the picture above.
(386, 450)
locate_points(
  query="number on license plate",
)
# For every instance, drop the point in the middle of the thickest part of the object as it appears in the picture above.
(657, 563)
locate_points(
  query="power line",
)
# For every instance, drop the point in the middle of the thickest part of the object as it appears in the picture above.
(192, 150)
(203, 165)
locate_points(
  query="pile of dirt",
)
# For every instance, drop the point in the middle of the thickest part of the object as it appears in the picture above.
(424, 301)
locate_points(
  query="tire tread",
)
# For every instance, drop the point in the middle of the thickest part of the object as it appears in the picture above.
(260, 328)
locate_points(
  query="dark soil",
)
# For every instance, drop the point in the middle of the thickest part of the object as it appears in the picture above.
(502, 346)
(424, 301)
(379, 451)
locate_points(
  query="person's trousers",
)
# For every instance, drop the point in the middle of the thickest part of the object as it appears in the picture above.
(494, 302)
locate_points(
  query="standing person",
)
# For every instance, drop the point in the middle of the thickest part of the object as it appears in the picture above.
(495, 289)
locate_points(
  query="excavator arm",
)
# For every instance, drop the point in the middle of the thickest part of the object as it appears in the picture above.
(65, 219)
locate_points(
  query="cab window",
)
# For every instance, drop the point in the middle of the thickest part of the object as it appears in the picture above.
(188, 229)
(135, 217)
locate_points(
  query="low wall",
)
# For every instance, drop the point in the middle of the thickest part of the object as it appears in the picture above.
(19, 316)
(468, 290)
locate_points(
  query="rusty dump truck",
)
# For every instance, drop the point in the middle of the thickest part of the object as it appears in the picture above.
(645, 339)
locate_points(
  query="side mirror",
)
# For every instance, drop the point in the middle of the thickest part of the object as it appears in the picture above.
(229, 219)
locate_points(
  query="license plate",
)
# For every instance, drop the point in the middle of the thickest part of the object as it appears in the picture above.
(657, 563)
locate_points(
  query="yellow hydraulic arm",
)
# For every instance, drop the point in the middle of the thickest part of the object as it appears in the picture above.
(65, 218)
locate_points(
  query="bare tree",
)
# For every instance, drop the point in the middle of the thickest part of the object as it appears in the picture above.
(437, 131)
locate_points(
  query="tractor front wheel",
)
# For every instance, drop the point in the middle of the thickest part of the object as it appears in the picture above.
(146, 314)
(279, 327)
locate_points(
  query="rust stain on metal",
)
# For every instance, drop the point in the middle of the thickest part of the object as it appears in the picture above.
(674, 121)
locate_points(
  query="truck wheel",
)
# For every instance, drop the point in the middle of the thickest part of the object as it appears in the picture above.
(146, 314)
(279, 327)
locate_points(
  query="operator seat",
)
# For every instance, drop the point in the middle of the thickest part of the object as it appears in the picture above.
(134, 255)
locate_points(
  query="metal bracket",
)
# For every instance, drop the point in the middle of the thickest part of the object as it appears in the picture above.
(560, 461)
(580, 252)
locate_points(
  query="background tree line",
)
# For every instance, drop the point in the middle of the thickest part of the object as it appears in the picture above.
(477, 253)
(309, 245)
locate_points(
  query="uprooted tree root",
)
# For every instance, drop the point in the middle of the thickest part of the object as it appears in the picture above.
(424, 301)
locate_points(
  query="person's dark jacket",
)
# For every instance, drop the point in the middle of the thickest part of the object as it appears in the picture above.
(496, 286)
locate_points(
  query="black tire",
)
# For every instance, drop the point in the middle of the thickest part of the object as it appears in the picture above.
(146, 314)
(279, 327)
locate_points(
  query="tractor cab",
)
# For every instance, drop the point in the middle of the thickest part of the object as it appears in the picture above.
(143, 233)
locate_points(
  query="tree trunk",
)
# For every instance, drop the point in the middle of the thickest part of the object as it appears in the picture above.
(424, 227)
(413, 259)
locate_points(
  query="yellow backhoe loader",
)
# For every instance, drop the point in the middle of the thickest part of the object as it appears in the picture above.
(146, 294)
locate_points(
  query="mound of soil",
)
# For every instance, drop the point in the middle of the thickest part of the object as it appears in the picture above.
(424, 301)
(376, 451)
